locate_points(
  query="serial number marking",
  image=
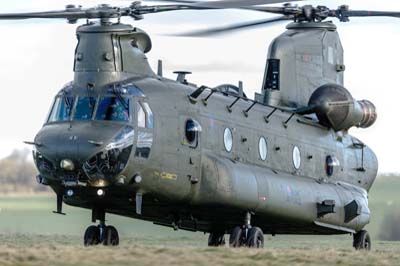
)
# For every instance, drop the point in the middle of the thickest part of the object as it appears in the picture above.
(165, 175)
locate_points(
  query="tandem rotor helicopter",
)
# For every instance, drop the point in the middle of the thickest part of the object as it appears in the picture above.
(123, 139)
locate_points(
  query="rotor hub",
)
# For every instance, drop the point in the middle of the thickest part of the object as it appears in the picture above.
(312, 25)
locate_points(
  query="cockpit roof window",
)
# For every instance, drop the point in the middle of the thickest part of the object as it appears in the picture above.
(114, 109)
(127, 89)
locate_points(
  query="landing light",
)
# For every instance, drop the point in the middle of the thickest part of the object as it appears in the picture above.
(138, 179)
(100, 192)
(67, 164)
(70, 192)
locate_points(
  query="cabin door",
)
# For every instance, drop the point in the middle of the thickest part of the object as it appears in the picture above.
(190, 155)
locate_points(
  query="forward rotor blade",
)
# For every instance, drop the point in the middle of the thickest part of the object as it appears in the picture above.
(136, 10)
(73, 13)
(361, 13)
(49, 14)
(227, 3)
(233, 27)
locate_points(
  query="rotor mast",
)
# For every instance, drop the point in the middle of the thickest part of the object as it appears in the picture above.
(110, 52)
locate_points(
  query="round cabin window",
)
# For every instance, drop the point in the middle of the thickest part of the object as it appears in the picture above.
(228, 139)
(263, 148)
(296, 157)
(192, 130)
(330, 164)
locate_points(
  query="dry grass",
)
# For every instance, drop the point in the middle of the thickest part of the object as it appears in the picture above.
(142, 243)
(21, 250)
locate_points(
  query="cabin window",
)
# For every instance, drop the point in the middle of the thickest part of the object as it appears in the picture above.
(263, 148)
(192, 130)
(296, 157)
(228, 139)
(330, 164)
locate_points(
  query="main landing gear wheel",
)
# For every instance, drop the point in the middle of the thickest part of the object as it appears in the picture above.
(237, 237)
(362, 240)
(255, 238)
(92, 236)
(246, 235)
(216, 239)
(107, 235)
(110, 236)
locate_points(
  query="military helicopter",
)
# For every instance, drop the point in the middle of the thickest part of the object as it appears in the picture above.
(122, 139)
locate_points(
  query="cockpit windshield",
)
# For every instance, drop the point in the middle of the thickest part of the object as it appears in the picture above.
(109, 108)
(85, 108)
(113, 109)
(117, 104)
(62, 109)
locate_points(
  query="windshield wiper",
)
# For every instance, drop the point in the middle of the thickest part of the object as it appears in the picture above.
(89, 89)
(67, 102)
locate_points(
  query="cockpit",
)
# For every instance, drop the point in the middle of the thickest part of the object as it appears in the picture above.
(106, 128)
(118, 105)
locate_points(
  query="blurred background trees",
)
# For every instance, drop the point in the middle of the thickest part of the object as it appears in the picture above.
(390, 229)
(18, 173)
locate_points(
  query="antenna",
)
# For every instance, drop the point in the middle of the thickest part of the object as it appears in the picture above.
(241, 88)
(181, 78)
(160, 68)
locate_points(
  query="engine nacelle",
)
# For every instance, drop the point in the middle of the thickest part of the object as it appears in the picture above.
(336, 108)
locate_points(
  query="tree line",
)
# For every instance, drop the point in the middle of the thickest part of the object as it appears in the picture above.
(18, 173)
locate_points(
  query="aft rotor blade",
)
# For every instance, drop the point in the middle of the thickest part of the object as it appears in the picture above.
(234, 27)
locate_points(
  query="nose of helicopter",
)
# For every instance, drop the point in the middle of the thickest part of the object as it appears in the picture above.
(74, 142)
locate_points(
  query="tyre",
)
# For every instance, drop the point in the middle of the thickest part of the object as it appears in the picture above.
(216, 239)
(110, 236)
(255, 238)
(236, 237)
(92, 236)
(362, 240)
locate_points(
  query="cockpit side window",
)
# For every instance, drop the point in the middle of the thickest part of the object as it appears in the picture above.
(114, 109)
(141, 116)
(62, 109)
(145, 123)
(145, 115)
(149, 116)
(85, 108)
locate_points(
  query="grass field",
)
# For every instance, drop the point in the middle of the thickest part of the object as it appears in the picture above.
(31, 235)
(39, 250)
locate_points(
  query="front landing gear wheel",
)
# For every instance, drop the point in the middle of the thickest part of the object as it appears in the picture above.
(236, 239)
(216, 239)
(110, 236)
(92, 236)
(255, 238)
(362, 240)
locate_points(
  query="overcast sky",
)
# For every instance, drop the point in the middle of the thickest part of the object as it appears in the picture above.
(37, 57)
